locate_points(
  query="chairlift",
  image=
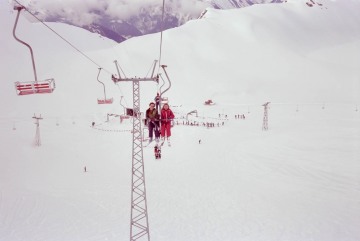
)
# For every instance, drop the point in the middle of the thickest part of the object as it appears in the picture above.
(164, 100)
(31, 87)
(128, 112)
(105, 100)
(190, 113)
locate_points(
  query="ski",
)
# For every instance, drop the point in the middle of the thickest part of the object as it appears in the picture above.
(147, 144)
(162, 143)
(150, 142)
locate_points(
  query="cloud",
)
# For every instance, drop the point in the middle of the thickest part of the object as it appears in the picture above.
(78, 12)
(193, 7)
(126, 8)
(85, 12)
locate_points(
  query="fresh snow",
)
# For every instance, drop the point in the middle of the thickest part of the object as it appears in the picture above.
(298, 181)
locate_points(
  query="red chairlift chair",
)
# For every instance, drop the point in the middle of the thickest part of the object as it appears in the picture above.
(105, 100)
(128, 112)
(31, 87)
(164, 100)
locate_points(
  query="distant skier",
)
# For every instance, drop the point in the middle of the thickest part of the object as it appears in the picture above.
(166, 116)
(152, 117)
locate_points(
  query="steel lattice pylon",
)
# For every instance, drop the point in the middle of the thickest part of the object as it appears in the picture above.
(265, 119)
(37, 141)
(139, 226)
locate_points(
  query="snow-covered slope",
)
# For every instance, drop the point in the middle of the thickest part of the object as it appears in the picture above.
(247, 56)
(297, 181)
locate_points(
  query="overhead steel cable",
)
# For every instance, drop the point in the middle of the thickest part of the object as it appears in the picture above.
(161, 31)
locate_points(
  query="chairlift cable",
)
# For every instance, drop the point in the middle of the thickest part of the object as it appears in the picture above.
(161, 31)
(78, 50)
(147, 74)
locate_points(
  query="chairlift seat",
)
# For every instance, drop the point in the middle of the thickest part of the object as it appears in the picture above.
(124, 117)
(35, 87)
(164, 100)
(105, 101)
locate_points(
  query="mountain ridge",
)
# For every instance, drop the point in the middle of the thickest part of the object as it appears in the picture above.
(146, 20)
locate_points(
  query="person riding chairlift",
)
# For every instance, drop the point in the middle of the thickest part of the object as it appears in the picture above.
(166, 116)
(152, 117)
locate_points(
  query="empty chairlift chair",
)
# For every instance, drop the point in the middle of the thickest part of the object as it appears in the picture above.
(105, 100)
(31, 87)
(128, 112)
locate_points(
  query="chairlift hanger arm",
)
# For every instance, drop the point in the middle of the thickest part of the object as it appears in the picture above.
(167, 77)
(121, 98)
(19, 8)
(163, 83)
(98, 78)
(101, 83)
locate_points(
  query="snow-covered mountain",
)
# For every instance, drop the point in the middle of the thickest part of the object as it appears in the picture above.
(105, 18)
(229, 4)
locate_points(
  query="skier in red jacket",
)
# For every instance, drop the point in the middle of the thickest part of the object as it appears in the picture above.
(166, 116)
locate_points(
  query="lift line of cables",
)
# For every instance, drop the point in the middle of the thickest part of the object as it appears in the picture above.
(161, 32)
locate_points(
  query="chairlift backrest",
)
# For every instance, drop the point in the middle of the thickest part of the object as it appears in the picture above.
(39, 87)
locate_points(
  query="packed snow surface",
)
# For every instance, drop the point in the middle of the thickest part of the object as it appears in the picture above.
(298, 181)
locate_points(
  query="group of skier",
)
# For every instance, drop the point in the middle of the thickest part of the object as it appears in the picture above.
(159, 124)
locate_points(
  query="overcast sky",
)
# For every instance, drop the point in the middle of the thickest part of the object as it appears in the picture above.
(87, 11)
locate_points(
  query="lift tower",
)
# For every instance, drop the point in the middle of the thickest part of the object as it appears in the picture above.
(265, 118)
(139, 225)
(37, 141)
